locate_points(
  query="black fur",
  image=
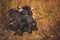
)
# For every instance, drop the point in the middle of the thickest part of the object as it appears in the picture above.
(24, 21)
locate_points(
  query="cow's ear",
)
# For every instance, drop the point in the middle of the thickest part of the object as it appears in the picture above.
(20, 10)
(32, 8)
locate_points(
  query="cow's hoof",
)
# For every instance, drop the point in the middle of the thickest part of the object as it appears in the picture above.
(25, 29)
(35, 29)
(29, 31)
(20, 33)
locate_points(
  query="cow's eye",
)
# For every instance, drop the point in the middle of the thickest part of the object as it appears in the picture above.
(26, 12)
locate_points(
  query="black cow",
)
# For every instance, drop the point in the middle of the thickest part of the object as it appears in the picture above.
(24, 20)
(31, 23)
(15, 14)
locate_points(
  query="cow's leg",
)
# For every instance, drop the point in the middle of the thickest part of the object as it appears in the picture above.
(19, 30)
(29, 28)
(25, 27)
(34, 26)
(18, 22)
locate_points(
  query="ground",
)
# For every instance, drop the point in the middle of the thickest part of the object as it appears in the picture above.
(45, 12)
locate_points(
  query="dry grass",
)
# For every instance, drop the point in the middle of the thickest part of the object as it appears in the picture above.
(48, 25)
